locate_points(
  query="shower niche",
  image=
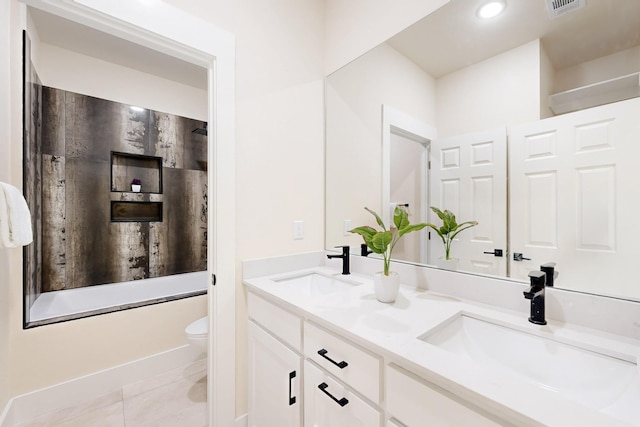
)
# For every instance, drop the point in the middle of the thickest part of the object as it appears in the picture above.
(127, 167)
(127, 170)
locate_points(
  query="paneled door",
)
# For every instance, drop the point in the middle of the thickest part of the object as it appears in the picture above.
(572, 190)
(469, 178)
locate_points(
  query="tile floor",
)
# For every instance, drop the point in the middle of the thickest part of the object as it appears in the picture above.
(174, 398)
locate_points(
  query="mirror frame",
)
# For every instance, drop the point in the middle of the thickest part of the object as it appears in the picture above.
(143, 22)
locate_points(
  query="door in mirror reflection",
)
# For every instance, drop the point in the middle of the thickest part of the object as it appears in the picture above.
(468, 177)
(573, 193)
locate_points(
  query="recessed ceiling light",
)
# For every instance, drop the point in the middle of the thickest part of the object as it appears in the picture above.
(491, 9)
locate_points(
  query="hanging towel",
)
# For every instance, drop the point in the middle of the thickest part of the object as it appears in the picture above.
(15, 218)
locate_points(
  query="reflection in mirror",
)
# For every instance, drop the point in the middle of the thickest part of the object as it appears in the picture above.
(448, 111)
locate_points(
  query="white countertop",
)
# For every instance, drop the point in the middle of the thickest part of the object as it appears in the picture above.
(392, 330)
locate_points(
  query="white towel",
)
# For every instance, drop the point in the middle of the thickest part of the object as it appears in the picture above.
(15, 218)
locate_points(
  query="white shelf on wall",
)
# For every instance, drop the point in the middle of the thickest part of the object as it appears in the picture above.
(600, 93)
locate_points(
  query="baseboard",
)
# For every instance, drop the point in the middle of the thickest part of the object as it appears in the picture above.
(28, 406)
(6, 417)
(242, 421)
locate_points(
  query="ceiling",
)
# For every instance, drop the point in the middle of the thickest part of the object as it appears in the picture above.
(70, 35)
(453, 37)
(449, 39)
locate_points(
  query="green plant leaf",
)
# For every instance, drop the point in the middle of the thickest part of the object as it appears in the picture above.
(412, 227)
(380, 241)
(378, 219)
(400, 217)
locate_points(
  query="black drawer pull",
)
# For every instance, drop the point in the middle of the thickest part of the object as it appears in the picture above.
(341, 402)
(292, 399)
(340, 365)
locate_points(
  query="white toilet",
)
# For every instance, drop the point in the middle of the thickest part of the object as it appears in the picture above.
(198, 334)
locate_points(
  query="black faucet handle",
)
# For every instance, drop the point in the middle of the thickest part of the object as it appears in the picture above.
(345, 249)
(537, 278)
(549, 270)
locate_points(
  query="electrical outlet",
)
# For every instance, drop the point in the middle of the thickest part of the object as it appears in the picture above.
(298, 230)
(347, 227)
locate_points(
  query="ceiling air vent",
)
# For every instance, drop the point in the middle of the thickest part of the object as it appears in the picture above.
(560, 7)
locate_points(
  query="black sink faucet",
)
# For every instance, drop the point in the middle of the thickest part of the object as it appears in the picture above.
(364, 250)
(345, 259)
(536, 294)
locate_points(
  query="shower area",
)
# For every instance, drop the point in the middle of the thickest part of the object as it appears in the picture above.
(118, 196)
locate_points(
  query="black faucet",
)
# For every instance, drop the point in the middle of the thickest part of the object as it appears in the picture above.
(549, 270)
(364, 250)
(536, 294)
(345, 259)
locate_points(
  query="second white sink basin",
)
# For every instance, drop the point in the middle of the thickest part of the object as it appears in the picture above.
(589, 377)
(316, 283)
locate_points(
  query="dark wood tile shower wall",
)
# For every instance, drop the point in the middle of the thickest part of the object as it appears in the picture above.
(81, 244)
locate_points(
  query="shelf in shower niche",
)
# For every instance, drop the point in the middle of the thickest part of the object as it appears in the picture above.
(125, 167)
(136, 211)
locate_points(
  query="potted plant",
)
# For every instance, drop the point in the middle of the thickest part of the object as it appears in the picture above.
(136, 185)
(447, 232)
(387, 282)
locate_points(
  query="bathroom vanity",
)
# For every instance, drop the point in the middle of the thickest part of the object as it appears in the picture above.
(324, 352)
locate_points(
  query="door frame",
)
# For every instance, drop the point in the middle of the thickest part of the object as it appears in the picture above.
(397, 122)
(144, 23)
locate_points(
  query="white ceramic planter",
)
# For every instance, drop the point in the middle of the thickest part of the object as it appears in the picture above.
(386, 287)
(136, 188)
(448, 264)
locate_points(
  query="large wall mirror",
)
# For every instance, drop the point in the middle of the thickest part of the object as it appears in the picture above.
(525, 122)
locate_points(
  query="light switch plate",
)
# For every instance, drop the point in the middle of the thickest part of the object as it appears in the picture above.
(347, 227)
(298, 230)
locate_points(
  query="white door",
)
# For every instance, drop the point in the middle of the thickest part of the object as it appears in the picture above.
(572, 190)
(469, 178)
(327, 403)
(274, 381)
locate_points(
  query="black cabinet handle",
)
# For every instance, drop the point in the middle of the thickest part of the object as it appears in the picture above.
(323, 388)
(292, 399)
(519, 257)
(340, 365)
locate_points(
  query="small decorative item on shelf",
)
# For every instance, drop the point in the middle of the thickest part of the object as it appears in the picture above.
(386, 283)
(447, 232)
(136, 185)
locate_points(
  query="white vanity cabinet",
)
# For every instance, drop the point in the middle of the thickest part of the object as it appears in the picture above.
(275, 366)
(345, 384)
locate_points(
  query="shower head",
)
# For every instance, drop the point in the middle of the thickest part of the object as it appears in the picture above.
(202, 130)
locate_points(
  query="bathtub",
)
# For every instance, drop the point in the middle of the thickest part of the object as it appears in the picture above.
(69, 304)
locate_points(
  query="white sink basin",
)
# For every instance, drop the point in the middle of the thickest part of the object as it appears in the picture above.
(598, 380)
(315, 283)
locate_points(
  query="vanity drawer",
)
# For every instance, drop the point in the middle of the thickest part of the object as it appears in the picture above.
(355, 366)
(414, 403)
(281, 323)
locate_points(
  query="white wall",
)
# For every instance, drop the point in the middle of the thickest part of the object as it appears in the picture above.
(51, 354)
(501, 90)
(279, 132)
(353, 27)
(600, 69)
(67, 70)
(354, 98)
(5, 176)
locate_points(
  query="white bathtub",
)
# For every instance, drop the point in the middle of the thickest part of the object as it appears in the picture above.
(71, 303)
